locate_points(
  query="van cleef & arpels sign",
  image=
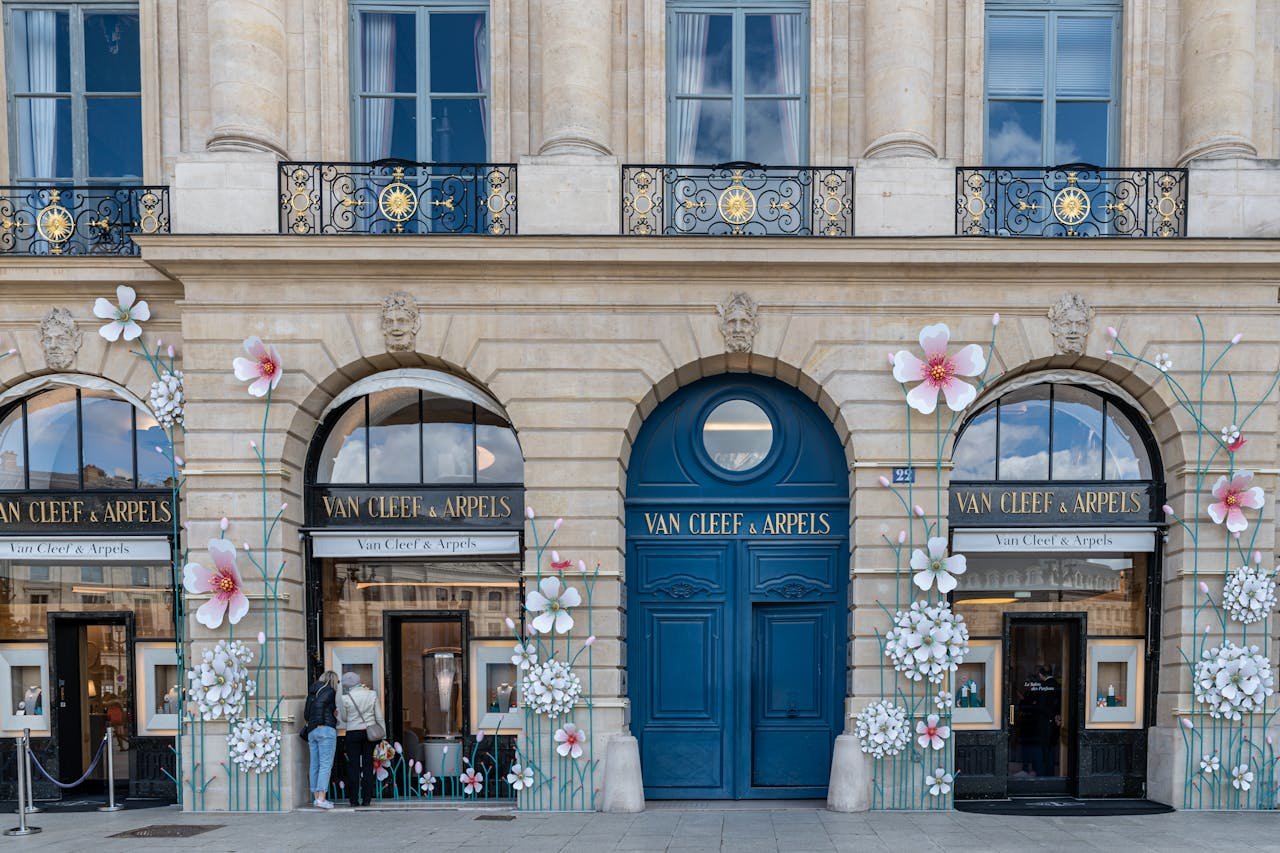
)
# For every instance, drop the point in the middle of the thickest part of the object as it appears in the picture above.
(1040, 504)
(415, 508)
(86, 512)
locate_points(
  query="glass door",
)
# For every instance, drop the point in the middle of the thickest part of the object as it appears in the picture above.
(425, 687)
(1043, 670)
(93, 690)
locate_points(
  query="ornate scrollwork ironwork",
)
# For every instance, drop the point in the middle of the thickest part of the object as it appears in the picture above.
(1077, 200)
(68, 220)
(737, 199)
(397, 197)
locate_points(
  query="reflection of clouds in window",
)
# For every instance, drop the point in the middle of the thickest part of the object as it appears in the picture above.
(1010, 145)
(1126, 456)
(54, 445)
(1077, 434)
(348, 465)
(975, 455)
(393, 454)
(1081, 463)
(448, 453)
(507, 465)
(108, 441)
(12, 453)
(1024, 448)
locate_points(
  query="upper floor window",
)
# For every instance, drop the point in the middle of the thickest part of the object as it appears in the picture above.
(1052, 69)
(421, 81)
(1053, 432)
(738, 81)
(74, 90)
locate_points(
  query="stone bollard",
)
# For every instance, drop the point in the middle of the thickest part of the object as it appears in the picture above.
(623, 784)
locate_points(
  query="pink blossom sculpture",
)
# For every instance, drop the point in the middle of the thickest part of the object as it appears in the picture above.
(263, 367)
(938, 373)
(223, 581)
(1231, 496)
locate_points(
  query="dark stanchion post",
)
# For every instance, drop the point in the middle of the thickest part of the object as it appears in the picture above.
(23, 793)
(111, 805)
(32, 808)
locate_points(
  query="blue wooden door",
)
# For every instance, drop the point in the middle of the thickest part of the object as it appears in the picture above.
(736, 607)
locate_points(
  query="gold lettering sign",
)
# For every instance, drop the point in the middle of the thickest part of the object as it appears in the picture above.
(1051, 504)
(805, 523)
(392, 507)
(86, 512)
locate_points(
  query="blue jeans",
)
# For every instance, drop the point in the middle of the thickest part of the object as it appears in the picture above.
(322, 741)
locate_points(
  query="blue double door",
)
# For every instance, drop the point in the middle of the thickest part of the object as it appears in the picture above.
(737, 673)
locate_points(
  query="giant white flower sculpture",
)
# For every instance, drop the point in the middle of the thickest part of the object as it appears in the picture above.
(223, 581)
(520, 778)
(220, 683)
(551, 688)
(1232, 680)
(569, 741)
(938, 782)
(254, 746)
(936, 566)
(932, 733)
(1241, 777)
(1250, 594)
(167, 399)
(125, 314)
(882, 729)
(1231, 496)
(525, 655)
(551, 601)
(927, 641)
(938, 373)
(262, 369)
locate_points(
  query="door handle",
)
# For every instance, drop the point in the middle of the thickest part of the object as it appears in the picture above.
(1011, 707)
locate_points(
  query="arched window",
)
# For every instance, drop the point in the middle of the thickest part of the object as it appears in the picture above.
(67, 438)
(411, 435)
(1052, 432)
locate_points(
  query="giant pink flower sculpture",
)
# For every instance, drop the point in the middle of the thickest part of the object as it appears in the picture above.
(1231, 496)
(938, 372)
(263, 367)
(223, 581)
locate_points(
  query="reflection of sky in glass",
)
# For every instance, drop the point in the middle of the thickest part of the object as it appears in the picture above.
(1014, 133)
(154, 468)
(1077, 434)
(53, 442)
(1081, 133)
(500, 442)
(1024, 435)
(1126, 457)
(108, 441)
(342, 459)
(973, 457)
(393, 436)
(737, 435)
(12, 452)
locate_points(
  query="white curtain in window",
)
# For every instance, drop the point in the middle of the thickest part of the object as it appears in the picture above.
(689, 42)
(36, 45)
(482, 73)
(378, 66)
(788, 54)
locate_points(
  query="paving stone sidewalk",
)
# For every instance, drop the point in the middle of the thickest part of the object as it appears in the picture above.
(740, 830)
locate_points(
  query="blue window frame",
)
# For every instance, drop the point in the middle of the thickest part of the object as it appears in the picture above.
(74, 93)
(738, 82)
(420, 81)
(1052, 82)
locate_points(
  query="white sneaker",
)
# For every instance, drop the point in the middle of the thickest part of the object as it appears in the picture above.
(322, 804)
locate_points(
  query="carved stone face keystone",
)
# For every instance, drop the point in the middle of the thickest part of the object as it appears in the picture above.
(1069, 321)
(738, 322)
(60, 338)
(400, 322)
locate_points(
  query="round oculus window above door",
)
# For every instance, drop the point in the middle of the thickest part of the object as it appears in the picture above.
(737, 435)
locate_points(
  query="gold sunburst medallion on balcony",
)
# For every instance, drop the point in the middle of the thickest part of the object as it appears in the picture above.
(397, 200)
(737, 204)
(1071, 205)
(55, 223)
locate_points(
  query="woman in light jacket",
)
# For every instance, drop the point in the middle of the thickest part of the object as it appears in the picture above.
(358, 711)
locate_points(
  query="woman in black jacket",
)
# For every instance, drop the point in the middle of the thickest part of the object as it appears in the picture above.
(321, 716)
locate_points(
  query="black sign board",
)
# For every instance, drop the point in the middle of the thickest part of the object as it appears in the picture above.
(416, 507)
(63, 513)
(1050, 504)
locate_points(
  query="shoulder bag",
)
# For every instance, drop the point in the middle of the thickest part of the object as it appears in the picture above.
(372, 730)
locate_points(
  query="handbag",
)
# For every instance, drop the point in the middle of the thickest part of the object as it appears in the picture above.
(372, 730)
(305, 732)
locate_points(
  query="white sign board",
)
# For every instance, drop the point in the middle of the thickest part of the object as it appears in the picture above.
(87, 549)
(413, 544)
(1077, 540)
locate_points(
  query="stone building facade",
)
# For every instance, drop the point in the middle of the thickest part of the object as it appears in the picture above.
(578, 329)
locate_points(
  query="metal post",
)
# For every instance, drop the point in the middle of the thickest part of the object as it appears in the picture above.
(32, 808)
(22, 828)
(111, 775)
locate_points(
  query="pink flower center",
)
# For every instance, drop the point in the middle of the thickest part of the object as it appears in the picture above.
(224, 583)
(931, 731)
(939, 370)
(267, 367)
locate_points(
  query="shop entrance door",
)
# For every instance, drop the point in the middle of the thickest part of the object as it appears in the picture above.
(1043, 696)
(425, 676)
(92, 682)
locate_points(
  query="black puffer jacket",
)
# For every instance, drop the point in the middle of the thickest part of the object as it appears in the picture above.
(322, 706)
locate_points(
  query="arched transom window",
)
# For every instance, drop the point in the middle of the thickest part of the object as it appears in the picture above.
(1052, 432)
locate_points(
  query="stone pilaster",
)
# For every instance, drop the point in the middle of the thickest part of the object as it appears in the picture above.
(900, 82)
(1218, 66)
(576, 79)
(247, 75)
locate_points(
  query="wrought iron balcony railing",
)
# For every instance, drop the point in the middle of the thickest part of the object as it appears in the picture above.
(397, 197)
(69, 220)
(737, 199)
(1076, 200)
